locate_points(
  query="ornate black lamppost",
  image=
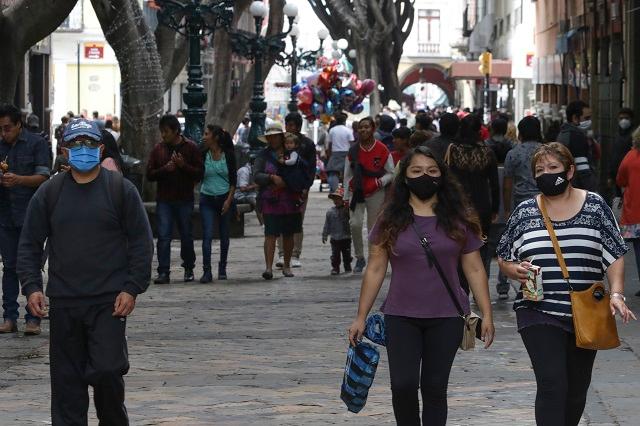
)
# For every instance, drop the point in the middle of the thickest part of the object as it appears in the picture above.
(300, 59)
(195, 20)
(256, 47)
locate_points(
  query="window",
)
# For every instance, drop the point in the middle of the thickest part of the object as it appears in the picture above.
(501, 30)
(508, 22)
(428, 26)
(74, 21)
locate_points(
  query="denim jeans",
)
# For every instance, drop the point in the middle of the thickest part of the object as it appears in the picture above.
(166, 214)
(489, 250)
(9, 237)
(211, 212)
(636, 252)
(333, 179)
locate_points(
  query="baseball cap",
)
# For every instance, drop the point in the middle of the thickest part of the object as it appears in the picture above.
(81, 127)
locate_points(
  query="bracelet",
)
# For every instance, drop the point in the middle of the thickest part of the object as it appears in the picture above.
(619, 295)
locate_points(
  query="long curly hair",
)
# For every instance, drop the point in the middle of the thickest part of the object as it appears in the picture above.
(453, 211)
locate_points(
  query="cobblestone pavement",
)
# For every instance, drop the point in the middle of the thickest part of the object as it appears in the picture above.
(246, 352)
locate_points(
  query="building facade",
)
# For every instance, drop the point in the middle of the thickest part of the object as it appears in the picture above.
(85, 69)
(506, 28)
(428, 53)
(586, 50)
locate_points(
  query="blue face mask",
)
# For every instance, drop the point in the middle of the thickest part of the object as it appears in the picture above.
(84, 159)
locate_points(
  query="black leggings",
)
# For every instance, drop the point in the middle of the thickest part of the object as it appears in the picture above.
(563, 374)
(413, 343)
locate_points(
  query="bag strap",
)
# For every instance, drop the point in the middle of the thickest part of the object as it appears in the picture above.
(433, 261)
(554, 241)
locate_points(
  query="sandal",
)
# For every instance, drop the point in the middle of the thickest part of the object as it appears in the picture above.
(287, 273)
(267, 275)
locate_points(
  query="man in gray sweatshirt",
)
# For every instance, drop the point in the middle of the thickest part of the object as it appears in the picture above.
(100, 250)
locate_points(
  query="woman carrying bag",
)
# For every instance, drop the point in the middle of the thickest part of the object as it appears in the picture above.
(572, 236)
(423, 322)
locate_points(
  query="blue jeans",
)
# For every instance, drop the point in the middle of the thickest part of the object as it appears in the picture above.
(9, 237)
(636, 251)
(167, 213)
(333, 179)
(211, 212)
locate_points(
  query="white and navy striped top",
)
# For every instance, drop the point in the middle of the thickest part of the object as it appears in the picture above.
(590, 242)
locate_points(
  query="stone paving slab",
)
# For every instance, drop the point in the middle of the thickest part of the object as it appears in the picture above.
(247, 352)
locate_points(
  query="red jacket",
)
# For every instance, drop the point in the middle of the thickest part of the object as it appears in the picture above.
(629, 178)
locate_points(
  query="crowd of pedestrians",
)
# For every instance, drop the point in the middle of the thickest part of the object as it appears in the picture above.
(439, 202)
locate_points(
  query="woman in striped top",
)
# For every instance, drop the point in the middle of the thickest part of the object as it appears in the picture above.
(592, 246)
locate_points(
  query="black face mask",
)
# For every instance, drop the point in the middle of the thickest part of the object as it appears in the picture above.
(551, 184)
(425, 186)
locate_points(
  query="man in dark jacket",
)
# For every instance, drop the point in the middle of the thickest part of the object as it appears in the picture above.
(24, 157)
(621, 145)
(449, 125)
(383, 132)
(573, 135)
(176, 165)
(99, 262)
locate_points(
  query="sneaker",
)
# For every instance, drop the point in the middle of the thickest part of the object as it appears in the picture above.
(188, 275)
(347, 269)
(334, 272)
(162, 279)
(295, 262)
(360, 264)
(280, 262)
(32, 329)
(503, 296)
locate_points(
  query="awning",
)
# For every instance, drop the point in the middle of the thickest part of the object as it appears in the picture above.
(469, 70)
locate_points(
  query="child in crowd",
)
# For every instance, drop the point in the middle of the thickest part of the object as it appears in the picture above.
(336, 226)
(291, 145)
(293, 168)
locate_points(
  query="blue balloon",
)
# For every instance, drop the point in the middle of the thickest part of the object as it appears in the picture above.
(357, 108)
(317, 109)
(328, 107)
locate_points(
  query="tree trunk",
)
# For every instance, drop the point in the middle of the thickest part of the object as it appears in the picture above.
(22, 24)
(367, 59)
(222, 110)
(142, 86)
(174, 53)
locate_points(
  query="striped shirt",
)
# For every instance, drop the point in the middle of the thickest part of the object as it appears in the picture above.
(590, 242)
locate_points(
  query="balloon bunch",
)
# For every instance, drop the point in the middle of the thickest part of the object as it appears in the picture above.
(327, 91)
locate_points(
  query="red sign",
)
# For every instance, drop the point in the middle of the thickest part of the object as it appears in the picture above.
(529, 59)
(94, 51)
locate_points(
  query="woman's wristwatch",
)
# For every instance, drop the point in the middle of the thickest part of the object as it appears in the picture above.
(619, 295)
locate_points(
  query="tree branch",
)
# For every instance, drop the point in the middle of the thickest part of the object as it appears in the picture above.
(36, 19)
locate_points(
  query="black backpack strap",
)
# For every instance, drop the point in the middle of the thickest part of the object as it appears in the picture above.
(116, 192)
(433, 261)
(53, 190)
(51, 196)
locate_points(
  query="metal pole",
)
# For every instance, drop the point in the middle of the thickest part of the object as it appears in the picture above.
(257, 104)
(487, 112)
(195, 98)
(78, 70)
(293, 103)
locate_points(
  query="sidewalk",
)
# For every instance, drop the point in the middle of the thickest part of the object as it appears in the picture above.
(247, 351)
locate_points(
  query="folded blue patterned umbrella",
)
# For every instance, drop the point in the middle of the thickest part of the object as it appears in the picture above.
(375, 330)
(360, 369)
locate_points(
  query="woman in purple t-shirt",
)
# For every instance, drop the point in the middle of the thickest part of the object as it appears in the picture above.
(424, 329)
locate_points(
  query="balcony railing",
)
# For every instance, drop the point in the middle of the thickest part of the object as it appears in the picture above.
(428, 48)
